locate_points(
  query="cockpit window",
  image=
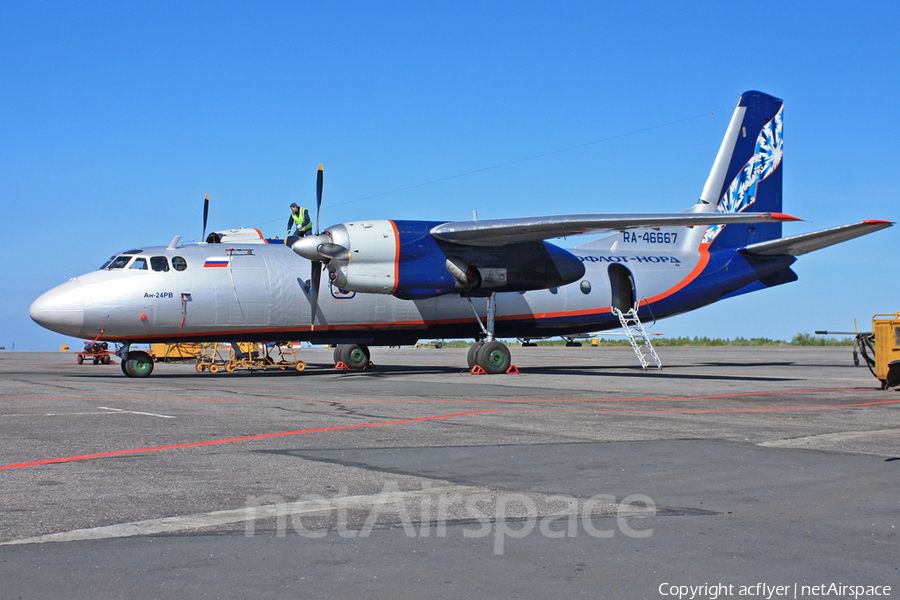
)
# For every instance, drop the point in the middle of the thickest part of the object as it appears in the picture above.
(178, 263)
(139, 263)
(108, 262)
(119, 262)
(159, 263)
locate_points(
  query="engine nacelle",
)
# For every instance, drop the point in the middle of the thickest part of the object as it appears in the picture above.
(373, 258)
(404, 259)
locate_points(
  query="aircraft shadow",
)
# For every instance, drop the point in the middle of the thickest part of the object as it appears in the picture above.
(630, 372)
(328, 370)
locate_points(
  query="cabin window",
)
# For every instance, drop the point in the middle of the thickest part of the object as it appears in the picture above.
(159, 263)
(140, 264)
(585, 286)
(178, 263)
(119, 262)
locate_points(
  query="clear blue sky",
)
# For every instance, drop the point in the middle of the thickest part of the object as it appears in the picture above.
(117, 118)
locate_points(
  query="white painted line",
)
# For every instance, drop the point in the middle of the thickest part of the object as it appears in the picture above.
(56, 414)
(135, 412)
(225, 517)
(840, 436)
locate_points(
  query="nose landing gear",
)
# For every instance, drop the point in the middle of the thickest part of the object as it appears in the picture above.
(137, 364)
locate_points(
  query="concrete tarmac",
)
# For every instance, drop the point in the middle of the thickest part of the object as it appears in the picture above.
(581, 476)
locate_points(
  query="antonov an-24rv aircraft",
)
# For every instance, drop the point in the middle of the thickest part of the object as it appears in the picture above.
(394, 282)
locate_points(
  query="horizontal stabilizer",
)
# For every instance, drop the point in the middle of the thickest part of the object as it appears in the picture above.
(497, 232)
(796, 245)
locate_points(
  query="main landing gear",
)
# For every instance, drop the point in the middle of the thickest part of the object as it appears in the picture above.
(352, 356)
(489, 355)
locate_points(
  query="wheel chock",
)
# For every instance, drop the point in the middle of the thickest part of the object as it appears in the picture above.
(476, 370)
(340, 366)
(512, 370)
(370, 365)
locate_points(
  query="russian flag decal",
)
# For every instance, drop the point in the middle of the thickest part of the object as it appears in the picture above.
(216, 262)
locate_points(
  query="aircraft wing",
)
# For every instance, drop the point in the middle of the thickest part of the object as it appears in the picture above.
(497, 232)
(796, 245)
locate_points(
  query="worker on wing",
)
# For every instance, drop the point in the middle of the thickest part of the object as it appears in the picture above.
(300, 220)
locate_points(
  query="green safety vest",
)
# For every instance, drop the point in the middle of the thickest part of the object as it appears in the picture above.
(300, 217)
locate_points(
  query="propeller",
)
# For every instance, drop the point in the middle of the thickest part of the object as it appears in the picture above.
(315, 275)
(205, 217)
(319, 249)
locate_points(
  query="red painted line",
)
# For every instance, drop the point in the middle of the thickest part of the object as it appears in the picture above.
(432, 418)
(225, 441)
(464, 400)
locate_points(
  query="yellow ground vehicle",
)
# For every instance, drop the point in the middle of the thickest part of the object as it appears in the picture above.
(880, 348)
(249, 356)
(886, 334)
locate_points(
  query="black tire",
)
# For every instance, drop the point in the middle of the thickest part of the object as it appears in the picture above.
(472, 356)
(355, 356)
(494, 357)
(337, 353)
(79, 359)
(137, 364)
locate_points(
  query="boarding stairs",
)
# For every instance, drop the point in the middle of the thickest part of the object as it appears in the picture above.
(640, 341)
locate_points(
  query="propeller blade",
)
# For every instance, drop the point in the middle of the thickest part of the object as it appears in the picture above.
(320, 180)
(315, 277)
(205, 217)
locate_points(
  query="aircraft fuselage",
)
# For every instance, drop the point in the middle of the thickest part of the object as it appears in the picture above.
(260, 292)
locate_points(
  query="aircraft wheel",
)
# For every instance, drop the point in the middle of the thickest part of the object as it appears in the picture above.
(300, 365)
(214, 368)
(338, 353)
(355, 356)
(230, 366)
(200, 367)
(79, 359)
(494, 357)
(137, 364)
(472, 356)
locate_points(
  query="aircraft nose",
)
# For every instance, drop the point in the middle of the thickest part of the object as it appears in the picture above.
(61, 309)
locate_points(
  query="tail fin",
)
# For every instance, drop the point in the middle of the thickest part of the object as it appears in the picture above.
(747, 172)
